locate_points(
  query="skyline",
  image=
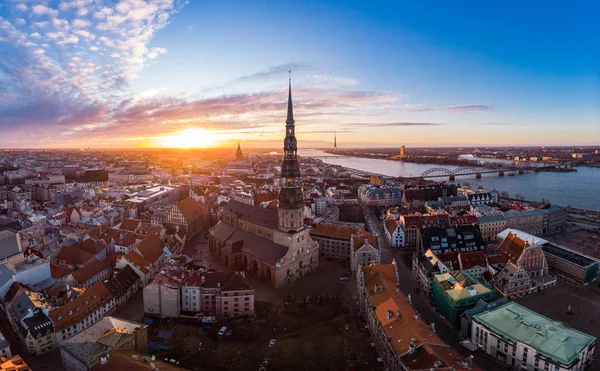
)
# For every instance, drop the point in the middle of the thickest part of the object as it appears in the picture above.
(167, 73)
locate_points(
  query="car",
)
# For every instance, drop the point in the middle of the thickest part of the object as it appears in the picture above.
(222, 331)
(272, 343)
(344, 278)
(229, 332)
(209, 319)
(265, 362)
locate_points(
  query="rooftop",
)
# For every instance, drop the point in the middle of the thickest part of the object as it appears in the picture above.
(569, 255)
(553, 339)
(459, 285)
(100, 338)
(401, 324)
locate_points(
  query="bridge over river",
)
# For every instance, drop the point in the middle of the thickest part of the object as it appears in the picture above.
(501, 169)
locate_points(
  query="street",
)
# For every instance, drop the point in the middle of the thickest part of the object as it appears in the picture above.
(421, 304)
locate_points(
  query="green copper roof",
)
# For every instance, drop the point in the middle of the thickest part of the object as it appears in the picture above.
(553, 339)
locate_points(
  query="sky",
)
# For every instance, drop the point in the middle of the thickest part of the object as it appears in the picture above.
(174, 73)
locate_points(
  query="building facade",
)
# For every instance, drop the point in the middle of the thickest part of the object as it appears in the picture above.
(525, 340)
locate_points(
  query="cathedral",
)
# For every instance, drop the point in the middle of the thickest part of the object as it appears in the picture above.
(239, 156)
(272, 245)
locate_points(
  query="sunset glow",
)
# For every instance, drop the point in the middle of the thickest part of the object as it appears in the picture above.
(188, 138)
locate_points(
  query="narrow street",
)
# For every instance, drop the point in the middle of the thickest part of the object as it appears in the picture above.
(443, 328)
(421, 304)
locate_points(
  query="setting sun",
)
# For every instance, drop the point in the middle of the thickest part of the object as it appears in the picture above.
(188, 138)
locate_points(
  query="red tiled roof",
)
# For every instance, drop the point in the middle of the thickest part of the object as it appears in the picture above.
(92, 247)
(73, 255)
(396, 316)
(130, 224)
(450, 256)
(191, 209)
(512, 247)
(497, 259)
(88, 300)
(463, 220)
(151, 248)
(391, 225)
(472, 259)
(58, 271)
(88, 271)
(138, 261)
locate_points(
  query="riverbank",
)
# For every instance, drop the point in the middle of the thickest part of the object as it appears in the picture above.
(577, 189)
(424, 160)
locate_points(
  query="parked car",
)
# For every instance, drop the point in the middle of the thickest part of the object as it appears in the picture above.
(229, 332)
(222, 331)
(265, 362)
(272, 343)
(209, 319)
(344, 278)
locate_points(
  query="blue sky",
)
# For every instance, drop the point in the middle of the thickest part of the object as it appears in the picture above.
(139, 73)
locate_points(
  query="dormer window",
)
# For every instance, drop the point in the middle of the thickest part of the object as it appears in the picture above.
(59, 318)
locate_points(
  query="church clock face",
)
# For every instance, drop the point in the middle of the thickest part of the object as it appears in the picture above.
(300, 197)
(282, 197)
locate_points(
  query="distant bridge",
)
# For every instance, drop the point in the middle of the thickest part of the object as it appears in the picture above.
(500, 168)
(331, 156)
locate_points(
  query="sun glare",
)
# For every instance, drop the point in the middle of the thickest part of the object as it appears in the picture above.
(189, 138)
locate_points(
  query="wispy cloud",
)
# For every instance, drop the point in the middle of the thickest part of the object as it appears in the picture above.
(452, 109)
(393, 124)
(500, 124)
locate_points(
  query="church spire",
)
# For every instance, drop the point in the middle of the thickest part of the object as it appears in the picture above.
(290, 193)
(290, 110)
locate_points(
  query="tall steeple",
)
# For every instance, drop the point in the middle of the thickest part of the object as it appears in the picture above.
(290, 192)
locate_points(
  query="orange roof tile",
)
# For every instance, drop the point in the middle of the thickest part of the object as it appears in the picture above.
(397, 317)
(76, 310)
(138, 261)
(512, 247)
(151, 248)
(130, 224)
(73, 255)
(58, 271)
(88, 271)
(190, 208)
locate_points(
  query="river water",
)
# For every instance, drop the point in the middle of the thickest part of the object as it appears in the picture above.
(578, 189)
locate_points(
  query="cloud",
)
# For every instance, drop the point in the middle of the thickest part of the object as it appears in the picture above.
(393, 124)
(44, 10)
(81, 23)
(20, 21)
(325, 131)
(21, 7)
(500, 124)
(273, 72)
(453, 109)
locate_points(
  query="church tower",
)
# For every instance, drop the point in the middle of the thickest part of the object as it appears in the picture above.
(291, 208)
(239, 156)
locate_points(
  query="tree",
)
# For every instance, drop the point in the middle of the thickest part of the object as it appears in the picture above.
(519, 197)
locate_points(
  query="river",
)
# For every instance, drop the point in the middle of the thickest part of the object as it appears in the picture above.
(577, 189)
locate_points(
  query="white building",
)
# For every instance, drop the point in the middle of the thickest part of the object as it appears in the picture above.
(365, 255)
(526, 340)
(394, 232)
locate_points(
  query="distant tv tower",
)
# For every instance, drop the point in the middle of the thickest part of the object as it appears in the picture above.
(335, 140)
